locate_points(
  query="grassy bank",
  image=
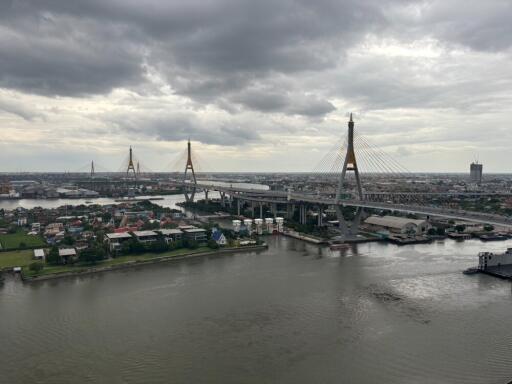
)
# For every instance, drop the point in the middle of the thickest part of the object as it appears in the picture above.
(125, 261)
(12, 259)
(20, 240)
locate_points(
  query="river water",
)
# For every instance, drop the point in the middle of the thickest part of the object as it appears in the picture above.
(296, 313)
(168, 201)
(164, 201)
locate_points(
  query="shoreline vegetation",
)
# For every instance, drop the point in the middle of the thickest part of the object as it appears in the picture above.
(130, 261)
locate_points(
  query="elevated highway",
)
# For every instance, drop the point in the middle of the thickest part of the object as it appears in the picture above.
(284, 197)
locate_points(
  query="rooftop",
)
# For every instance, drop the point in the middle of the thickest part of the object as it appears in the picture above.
(67, 252)
(144, 233)
(194, 230)
(170, 231)
(121, 235)
(393, 221)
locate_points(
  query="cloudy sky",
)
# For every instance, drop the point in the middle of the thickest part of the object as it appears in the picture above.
(256, 85)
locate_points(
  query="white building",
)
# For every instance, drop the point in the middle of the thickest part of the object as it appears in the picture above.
(39, 254)
(489, 259)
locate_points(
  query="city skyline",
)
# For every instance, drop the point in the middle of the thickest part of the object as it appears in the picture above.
(256, 87)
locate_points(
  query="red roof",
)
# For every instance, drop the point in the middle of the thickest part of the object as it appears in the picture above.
(125, 229)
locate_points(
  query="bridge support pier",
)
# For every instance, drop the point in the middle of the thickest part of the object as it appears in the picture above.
(223, 199)
(352, 229)
(261, 210)
(238, 207)
(320, 218)
(302, 214)
(206, 196)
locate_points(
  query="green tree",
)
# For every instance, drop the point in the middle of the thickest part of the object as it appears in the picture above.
(159, 245)
(190, 244)
(92, 254)
(136, 246)
(106, 217)
(36, 267)
(53, 257)
(22, 245)
(68, 240)
(460, 228)
(213, 244)
(488, 228)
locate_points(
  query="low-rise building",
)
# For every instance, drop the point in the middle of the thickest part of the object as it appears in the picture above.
(39, 254)
(145, 236)
(115, 240)
(171, 235)
(219, 237)
(196, 234)
(67, 254)
(396, 224)
(53, 229)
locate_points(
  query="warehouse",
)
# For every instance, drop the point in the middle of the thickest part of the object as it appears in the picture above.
(396, 224)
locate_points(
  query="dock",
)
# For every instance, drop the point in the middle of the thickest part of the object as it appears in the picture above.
(502, 271)
(304, 237)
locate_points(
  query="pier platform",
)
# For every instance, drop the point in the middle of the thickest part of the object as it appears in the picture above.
(503, 271)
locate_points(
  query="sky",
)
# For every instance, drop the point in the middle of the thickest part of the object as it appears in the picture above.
(256, 85)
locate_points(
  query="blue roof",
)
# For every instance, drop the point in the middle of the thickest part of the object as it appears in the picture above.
(217, 235)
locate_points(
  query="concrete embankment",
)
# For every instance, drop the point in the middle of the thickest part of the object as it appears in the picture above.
(132, 264)
(305, 237)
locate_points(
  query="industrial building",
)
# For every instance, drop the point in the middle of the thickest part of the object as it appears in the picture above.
(396, 224)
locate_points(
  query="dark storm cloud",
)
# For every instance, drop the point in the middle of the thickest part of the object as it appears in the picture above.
(182, 126)
(204, 48)
(480, 25)
(288, 57)
(52, 54)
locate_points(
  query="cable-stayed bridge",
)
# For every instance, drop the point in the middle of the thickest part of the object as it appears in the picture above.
(342, 166)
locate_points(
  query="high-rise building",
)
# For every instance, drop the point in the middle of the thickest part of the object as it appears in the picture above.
(475, 172)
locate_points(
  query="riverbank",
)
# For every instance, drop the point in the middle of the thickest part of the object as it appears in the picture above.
(305, 237)
(81, 271)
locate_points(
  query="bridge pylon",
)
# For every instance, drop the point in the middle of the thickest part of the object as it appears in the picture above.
(350, 164)
(92, 169)
(189, 166)
(131, 167)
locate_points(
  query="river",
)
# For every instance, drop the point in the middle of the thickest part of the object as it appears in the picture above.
(297, 313)
(168, 201)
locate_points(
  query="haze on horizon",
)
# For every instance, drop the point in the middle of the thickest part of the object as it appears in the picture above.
(256, 85)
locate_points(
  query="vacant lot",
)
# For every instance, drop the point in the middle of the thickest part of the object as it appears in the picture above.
(15, 258)
(13, 240)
